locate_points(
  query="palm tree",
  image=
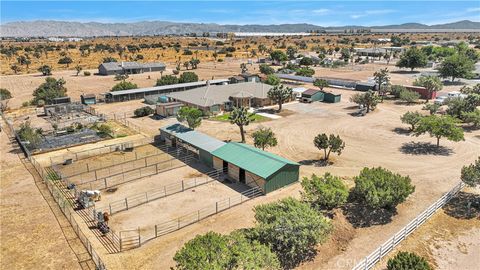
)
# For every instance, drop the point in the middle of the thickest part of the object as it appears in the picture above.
(240, 117)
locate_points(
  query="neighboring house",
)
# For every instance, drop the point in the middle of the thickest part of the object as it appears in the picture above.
(112, 68)
(245, 77)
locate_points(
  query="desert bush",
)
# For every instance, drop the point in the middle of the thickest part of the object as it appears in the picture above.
(407, 261)
(380, 188)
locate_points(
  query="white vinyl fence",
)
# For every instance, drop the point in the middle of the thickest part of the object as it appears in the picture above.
(370, 261)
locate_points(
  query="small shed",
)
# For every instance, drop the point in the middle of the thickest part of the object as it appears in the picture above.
(254, 167)
(88, 99)
(332, 98)
(422, 91)
(168, 109)
(312, 95)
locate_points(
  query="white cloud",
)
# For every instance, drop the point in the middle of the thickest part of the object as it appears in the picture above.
(371, 12)
(321, 11)
(477, 9)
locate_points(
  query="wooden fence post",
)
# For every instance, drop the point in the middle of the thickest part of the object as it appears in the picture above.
(126, 203)
(216, 207)
(156, 231)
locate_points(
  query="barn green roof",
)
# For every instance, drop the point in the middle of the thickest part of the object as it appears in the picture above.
(252, 159)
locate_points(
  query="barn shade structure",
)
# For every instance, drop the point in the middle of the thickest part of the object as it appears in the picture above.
(197, 142)
(242, 163)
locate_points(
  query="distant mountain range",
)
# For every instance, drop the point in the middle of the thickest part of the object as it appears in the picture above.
(149, 28)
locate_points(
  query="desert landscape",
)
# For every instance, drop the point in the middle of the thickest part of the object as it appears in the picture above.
(211, 146)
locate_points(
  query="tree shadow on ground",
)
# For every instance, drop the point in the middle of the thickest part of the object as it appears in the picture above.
(351, 107)
(446, 83)
(315, 162)
(423, 148)
(402, 131)
(361, 217)
(405, 72)
(470, 128)
(463, 206)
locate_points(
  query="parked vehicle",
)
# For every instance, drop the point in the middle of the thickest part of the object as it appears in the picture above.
(441, 100)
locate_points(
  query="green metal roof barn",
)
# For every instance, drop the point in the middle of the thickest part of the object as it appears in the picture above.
(253, 166)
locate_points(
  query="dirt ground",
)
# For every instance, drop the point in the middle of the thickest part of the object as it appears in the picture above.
(172, 207)
(379, 139)
(449, 239)
(30, 236)
(45, 159)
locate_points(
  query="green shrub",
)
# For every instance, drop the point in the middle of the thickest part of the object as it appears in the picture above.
(143, 111)
(266, 69)
(380, 188)
(407, 261)
(409, 96)
(87, 73)
(395, 90)
(124, 85)
(325, 192)
(292, 229)
(216, 251)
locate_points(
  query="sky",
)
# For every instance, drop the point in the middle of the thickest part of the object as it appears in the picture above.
(323, 13)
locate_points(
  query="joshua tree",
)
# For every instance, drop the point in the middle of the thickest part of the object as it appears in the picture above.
(280, 94)
(240, 117)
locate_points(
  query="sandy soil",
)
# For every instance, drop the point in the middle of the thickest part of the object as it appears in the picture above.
(30, 237)
(447, 241)
(374, 140)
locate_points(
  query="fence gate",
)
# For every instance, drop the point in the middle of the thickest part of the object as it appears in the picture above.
(129, 239)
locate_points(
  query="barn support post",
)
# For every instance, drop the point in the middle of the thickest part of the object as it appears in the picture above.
(139, 237)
